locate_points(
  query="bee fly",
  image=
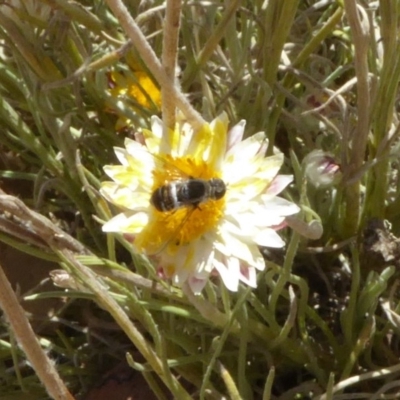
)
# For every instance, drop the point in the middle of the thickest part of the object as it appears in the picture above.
(188, 192)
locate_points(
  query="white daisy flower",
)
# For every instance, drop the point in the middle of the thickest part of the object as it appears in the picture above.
(214, 234)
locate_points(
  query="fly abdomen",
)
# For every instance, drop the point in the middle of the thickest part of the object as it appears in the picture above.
(164, 198)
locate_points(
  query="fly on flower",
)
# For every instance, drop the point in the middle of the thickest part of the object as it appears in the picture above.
(189, 192)
(179, 196)
(211, 216)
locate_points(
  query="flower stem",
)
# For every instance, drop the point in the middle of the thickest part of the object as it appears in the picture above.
(43, 366)
(153, 64)
(169, 54)
(359, 138)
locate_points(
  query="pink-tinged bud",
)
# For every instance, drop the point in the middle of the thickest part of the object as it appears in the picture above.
(321, 169)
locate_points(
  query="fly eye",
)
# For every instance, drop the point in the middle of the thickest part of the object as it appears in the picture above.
(220, 190)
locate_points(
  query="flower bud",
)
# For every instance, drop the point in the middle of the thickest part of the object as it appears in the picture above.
(321, 168)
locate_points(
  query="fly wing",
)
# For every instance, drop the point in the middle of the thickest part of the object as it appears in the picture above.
(170, 238)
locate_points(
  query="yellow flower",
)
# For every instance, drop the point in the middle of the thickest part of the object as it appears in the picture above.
(214, 232)
(139, 87)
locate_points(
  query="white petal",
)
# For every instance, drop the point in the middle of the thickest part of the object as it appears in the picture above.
(138, 155)
(122, 176)
(235, 134)
(192, 260)
(197, 284)
(256, 216)
(133, 147)
(115, 193)
(280, 206)
(160, 143)
(257, 260)
(230, 245)
(153, 145)
(248, 276)
(229, 270)
(278, 184)
(156, 126)
(248, 252)
(269, 238)
(251, 176)
(221, 119)
(236, 228)
(124, 197)
(248, 148)
(250, 222)
(126, 223)
(122, 156)
(180, 277)
(273, 164)
(232, 174)
(203, 256)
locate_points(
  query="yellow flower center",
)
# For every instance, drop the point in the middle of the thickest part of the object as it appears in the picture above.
(168, 230)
